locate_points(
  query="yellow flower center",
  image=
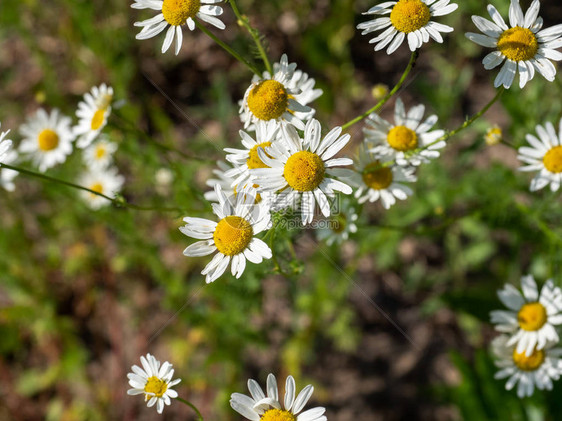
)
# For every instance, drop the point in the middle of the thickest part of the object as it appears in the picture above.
(532, 316)
(176, 12)
(48, 140)
(100, 152)
(232, 235)
(338, 223)
(97, 119)
(304, 171)
(376, 176)
(530, 363)
(518, 44)
(268, 100)
(402, 138)
(493, 136)
(254, 160)
(409, 15)
(552, 160)
(156, 386)
(277, 415)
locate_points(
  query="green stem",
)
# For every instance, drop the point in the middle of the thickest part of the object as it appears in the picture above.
(254, 34)
(228, 49)
(383, 101)
(118, 201)
(469, 121)
(191, 406)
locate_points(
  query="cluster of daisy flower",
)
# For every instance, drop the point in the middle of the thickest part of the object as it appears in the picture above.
(526, 351)
(48, 140)
(155, 381)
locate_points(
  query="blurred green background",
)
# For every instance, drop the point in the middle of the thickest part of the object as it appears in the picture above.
(83, 294)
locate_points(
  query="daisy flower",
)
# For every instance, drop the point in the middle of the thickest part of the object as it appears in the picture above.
(340, 225)
(262, 407)
(408, 140)
(92, 114)
(102, 180)
(47, 138)
(374, 180)
(173, 14)
(247, 159)
(545, 156)
(5, 144)
(302, 168)
(531, 317)
(537, 369)
(407, 17)
(221, 179)
(278, 97)
(493, 135)
(523, 47)
(100, 153)
(233, 237)
(7, 156)
(153, 381)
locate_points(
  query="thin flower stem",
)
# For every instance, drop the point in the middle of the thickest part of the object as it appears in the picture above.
(383, 101)
(118, 201)
(254, 34)
(228, 49)
(191, 406)
(469, 121)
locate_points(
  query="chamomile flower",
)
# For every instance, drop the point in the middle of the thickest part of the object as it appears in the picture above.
(531, 317)
(544, 156)
(409, 140)
(374, 179)
(411, 18)
(303, 168)
(7, 156)
(233, 237)
(100, 153)
(493, 135)
(247, 159)
(5, 144)
(92, 114)
(339, 226)
(102, 180)
(47, 138)
(221, 179)
(537, 369)
(523, 47)
(262, 407)
(173, 14)
(278, 97)
(154, 381)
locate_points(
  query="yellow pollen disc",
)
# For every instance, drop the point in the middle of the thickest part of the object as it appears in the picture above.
(409, 15)
(304, 171)
(518, 44)
(232, 235)
(402, 138)
(338, 224)
(532, 316)
(97, 187)
(97, 119)
(156, 386)
(100, 152)
(176, 12)
(530, 363)
(552, 160)
(48, 140)
(254, 160)
(268, 100)
(277, 415)
(376, 176)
